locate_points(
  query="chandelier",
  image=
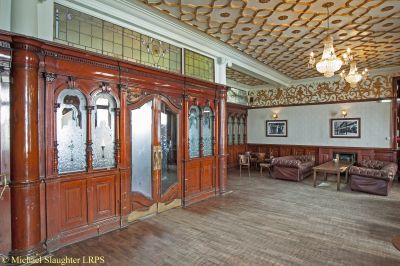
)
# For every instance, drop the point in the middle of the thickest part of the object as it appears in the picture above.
(329, 63)
(353, 77)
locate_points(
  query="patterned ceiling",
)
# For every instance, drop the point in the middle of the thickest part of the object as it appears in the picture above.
(243, 78)
(282, 34)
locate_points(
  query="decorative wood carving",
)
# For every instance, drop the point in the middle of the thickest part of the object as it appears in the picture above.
(50, 77)
(71, 82)
(82, 204)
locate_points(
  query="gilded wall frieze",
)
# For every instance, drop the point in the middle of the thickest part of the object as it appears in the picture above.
(374, 87)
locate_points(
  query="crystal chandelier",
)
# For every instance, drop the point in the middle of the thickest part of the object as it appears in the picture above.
(353, 77)
(329, 63)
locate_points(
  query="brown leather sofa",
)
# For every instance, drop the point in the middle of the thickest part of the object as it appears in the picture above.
(372, 176)
(294, 168)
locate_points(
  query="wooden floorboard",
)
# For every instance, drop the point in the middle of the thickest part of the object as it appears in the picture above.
(262, 222)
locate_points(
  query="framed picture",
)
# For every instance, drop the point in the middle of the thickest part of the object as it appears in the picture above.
(276, 128)
(345, 128)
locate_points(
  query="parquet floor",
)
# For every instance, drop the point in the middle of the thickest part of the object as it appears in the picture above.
(262, 222)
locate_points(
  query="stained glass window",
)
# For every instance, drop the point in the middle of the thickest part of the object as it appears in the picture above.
(86, 32)
(230, 130)
(194, 132)
(207, 130)
(199, 66)
(71, 131)
(103, 128)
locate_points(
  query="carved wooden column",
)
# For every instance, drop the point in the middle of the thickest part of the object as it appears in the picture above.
(222, 142)
(89, 143)
(117, 137)
(25, 190)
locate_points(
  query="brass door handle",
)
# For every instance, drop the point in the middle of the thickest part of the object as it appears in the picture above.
(4, 183)
(157, 156)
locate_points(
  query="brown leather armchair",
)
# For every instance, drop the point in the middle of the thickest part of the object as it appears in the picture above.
(294, 168)
(372, 176)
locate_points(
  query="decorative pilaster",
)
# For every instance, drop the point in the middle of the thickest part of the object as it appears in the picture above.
(222, 141)
(89, 143)
(117, 137)
(24, 156)
(55, 143)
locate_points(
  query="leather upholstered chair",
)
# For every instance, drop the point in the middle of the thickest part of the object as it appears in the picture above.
(372, 176)
(294, 168)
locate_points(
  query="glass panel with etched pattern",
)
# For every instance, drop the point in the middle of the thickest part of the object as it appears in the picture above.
(103, 128)
(169, 138)
(71, 131)
(207, 130)
(194, 132)
(236, 129)
(241, 131)
(141, 148)
(230, 130)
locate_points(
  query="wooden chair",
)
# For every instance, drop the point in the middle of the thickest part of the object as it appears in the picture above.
(244, 161)
(260, 159)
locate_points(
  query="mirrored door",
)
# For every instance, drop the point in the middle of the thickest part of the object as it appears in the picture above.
(154, 146)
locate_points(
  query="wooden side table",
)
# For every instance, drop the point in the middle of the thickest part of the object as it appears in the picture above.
(265, 165)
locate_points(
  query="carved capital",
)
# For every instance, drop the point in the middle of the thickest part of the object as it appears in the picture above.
(123, 87)
(105, 87)
(56, 106)
(5, 45)
(50, 77)
(89, 108)
(71, 82)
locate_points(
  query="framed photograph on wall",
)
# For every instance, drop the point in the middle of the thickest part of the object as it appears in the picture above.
(276, 128)
(345, 128)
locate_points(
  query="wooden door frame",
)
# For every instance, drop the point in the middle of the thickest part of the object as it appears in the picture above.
(174, 192)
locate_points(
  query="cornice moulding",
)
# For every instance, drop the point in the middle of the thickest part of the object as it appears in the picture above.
(386, 70)
(146, 20)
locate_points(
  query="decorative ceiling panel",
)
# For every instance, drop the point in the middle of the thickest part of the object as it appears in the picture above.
(282, 34)
(243, 78)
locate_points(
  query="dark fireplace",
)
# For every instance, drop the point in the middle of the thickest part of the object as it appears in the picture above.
(346, 156)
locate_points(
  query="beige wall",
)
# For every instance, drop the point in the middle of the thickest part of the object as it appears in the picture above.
(309, 124)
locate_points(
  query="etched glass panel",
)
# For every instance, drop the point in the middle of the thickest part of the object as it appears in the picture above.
(194, 132)
(103, 128)
(241, 131)
(237, 96)
(207, 130)
(230, 130)
(141, 148)
(71, 131)
(168, 133)
(236, 129)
